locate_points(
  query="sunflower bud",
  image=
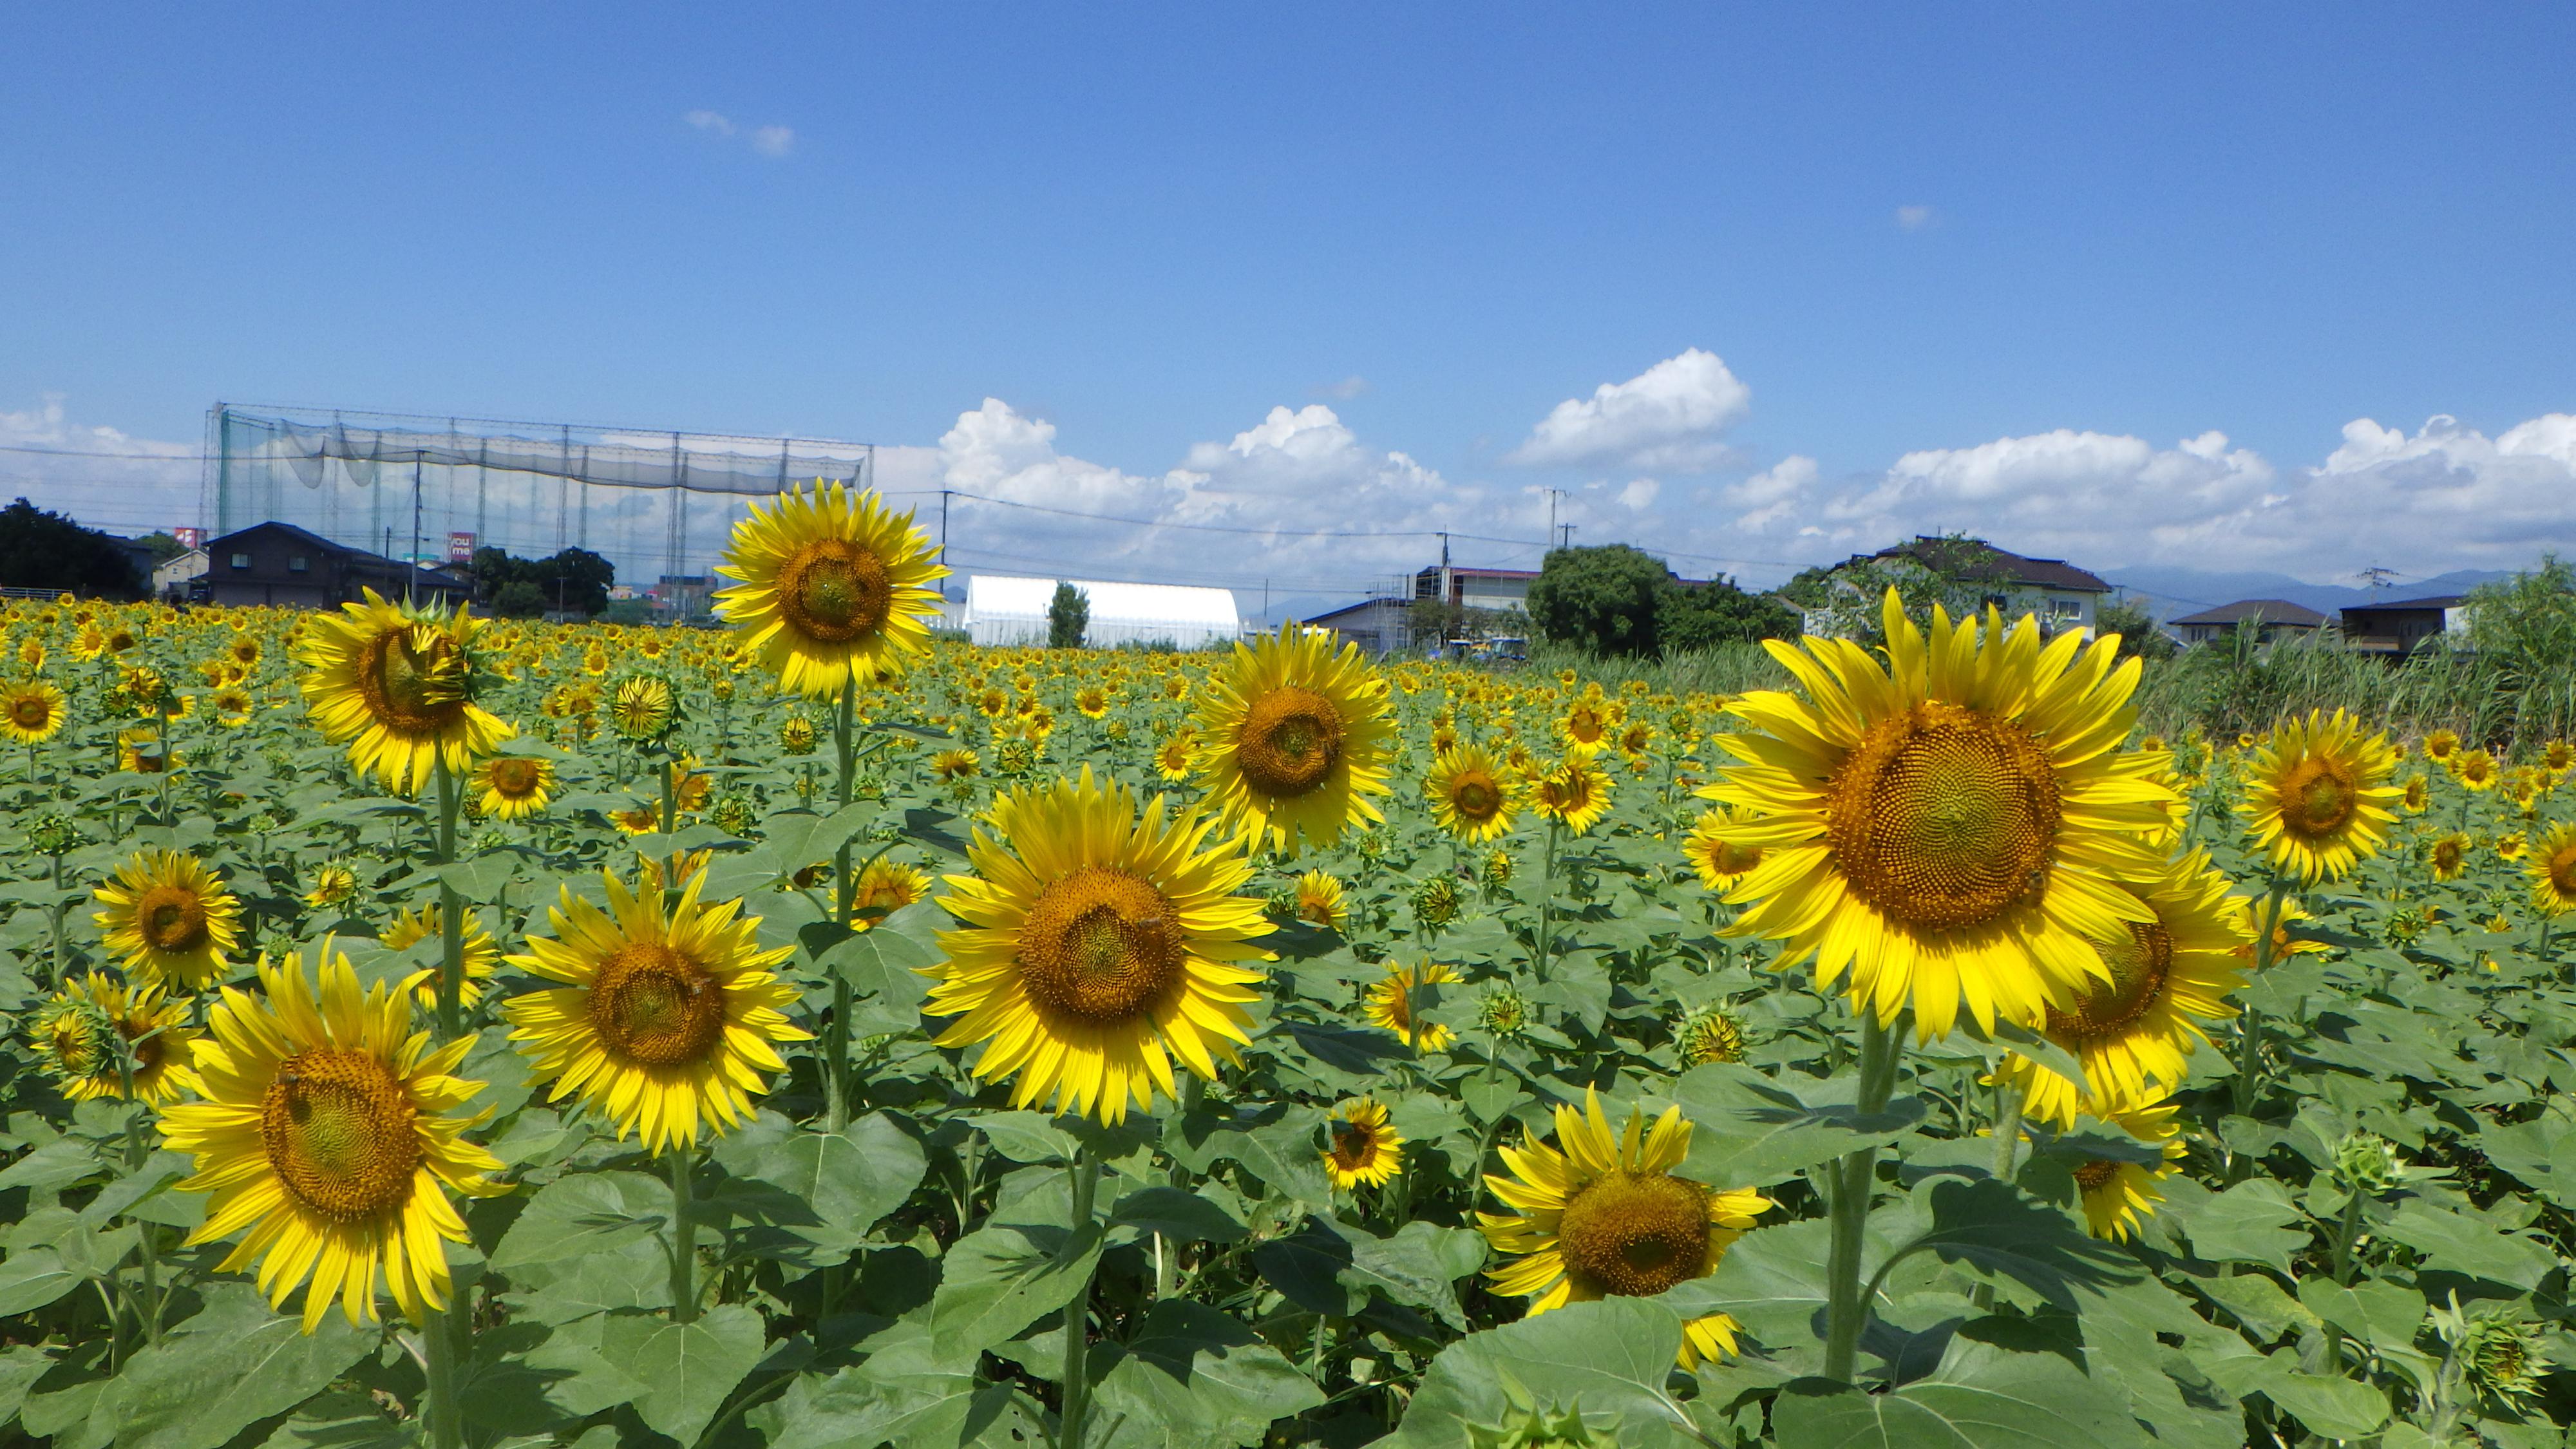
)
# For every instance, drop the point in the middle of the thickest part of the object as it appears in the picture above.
(1526, 1426)
(1503, 1012)
(1710, 1034)
(54, 834)
(1497, 869)
(2367, 1162)
(1435, 902)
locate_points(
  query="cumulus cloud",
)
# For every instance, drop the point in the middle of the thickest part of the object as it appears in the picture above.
(766, 140)
(1670, 418)
(104, 476)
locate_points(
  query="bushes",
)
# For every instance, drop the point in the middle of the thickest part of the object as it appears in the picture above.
(40, 549)
(1618, 602)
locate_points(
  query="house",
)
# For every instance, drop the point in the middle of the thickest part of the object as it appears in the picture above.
(170, 580)
(1378, 626)
(683, 596)
(279, 563)
(2272, 619)
(2397, 629)
(1000, 610)
(1476, 588)
(2063, 596)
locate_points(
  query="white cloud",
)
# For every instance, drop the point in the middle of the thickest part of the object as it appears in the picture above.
(1913, 218)
(1669, 418)
(766, 140)
(1639, 495)
(101, 475)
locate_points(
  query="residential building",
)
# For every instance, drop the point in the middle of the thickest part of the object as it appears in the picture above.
(2272, 619)
(683, 596)
(2063, 596)
(170, 580)
(1476, 588)
(2399, 628)
(279, 563)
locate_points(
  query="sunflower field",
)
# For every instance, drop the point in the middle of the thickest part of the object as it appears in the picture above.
(426, 1030)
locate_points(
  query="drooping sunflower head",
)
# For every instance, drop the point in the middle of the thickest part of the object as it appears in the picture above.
(31, 710)
(1952, 829)
(2449, 856)
(1717, 848)
(1294, 738)
(885, 887)
(516, 786)
(1396, 1001)
(951, 766)
(834, 588)
(1361, 1145)
(666, 1010)
(168, 918)
(2118, 1193)
(1319, 899)
(2551, 867)
(1097, 944)
(796, 735)
(332, 885)
(1710, 1034)
(1472, 795)
(94, 1031)
(333, 1133)
(396, 682)
(1600, 1215)
(482, 953)
(2418, 794)
(2134, 1028)
(2318, 796)
(1575, 793)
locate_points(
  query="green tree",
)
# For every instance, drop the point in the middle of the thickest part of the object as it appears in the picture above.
(1603, 599)
(574, 580)
(2528, 621)
(1702, 616)
(41, 549)
(519, 599)
(2140, 638)
(1068, 617)
(165, 546)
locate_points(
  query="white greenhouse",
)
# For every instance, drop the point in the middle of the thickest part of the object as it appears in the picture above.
(1005, 611)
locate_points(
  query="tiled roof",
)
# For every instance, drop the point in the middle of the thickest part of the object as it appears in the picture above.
(2269, 611)
(1976, 559)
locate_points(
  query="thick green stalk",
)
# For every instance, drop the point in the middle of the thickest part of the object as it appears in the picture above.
(845, 895)
(1547, 899)
(684, 1237)
(1854, 1179)
(670, 795)
(445, 1410)
(2249, 1023)
(1085, 1182)
(451, 912)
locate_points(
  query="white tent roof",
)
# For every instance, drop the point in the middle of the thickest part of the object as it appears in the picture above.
(1004, 610)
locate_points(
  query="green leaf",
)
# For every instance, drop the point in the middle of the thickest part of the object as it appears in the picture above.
(20, 1367)
(1183, 1217)
(2541, 1152)
(1993, 1230)
(1750, 1131)
(584, 1214)
(2383, 1315)
(2460, 1243)
(2334, 1407)
(1610, 1358)
(1275, 1143)
(846, 1180)
(1307, 1268)
(343, 1420)
(1981, 1397)
(2256, 1301)
(884, 964)
(1193, 1376)
(1418, 1267)
(1003, 1277)
(1771, 1281)
(235, 1362)
(2252, 1222)
(908, 1394)
(33, 1277)
(57, 1164)
(1030, 1137)
(688, 1368)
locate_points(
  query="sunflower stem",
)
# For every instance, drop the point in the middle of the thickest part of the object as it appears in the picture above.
(1547, 900)
(684, 1237)
(445, 1409)
(1854, 1178)
(1085, 1182)
(2249, 1022)
(836, 1035)
(451, 911)
(2009, 1100)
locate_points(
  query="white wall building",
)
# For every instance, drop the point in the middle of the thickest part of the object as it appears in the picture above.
(1007, 611)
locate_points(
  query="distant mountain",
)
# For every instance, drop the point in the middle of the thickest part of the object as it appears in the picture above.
(2174, 592)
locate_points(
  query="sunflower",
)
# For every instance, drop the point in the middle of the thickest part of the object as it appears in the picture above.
(1715, 849)
(1173, 756)
(2474, 769)
(395, 681)
(1950, 833)
(1471, 796)
(642, 820)
(1361, 1145)
(642, 708)
(1587, 723)
(330, 1131)
(2558, 757)
(482, 953)
(516, 786)
(1294, 738)
(834, 588)
(31, 710)
(796, 735)
(884, 888)
(1602, 1216)
(2440, 745)
(1710, 1034)
(2117, 1193)
(2450, 856)
(232, 707)
(2286, 941)
(2133, 1032)
(2418, 794)
(1096, 945)
(2319, 795)
(667, 1012)
(1575, 794)
(71, 1029)
(1091, 702)
(143, 751)
(169, 919)
(332, 884)
(2552, 868)
(1319, 899)
(1392, 1003)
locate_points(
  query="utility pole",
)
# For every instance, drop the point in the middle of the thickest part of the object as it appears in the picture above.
(2376, 578)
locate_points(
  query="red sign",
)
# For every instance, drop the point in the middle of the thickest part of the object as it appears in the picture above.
(460, 548)
(189, 537)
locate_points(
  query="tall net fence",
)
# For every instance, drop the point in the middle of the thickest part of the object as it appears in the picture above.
(658, 505)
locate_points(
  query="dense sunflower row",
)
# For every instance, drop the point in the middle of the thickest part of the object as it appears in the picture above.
(1208, 894)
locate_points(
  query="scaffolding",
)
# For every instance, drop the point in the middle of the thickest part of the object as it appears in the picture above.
(658, 504)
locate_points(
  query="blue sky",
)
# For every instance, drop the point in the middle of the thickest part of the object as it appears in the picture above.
(1985, 267)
